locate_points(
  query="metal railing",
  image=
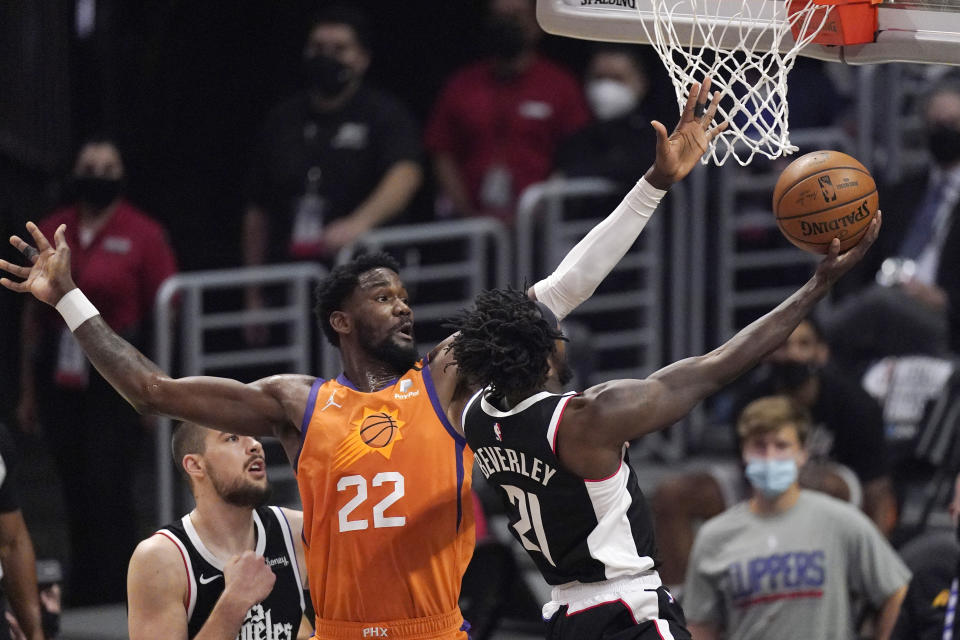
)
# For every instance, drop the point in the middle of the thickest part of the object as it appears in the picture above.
(552, 216)
(181, 300)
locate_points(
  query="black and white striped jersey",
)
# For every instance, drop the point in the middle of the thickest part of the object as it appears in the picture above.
(276, 618)
(574, 529)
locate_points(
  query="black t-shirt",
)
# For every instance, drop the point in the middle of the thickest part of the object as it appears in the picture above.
(352, 148)
(620, 149)
(933, 560)
(8, 457)
(851, 417)
(8, 495)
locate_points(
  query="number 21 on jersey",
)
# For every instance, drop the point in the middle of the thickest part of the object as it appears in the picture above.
(528, 508)
(359, 485)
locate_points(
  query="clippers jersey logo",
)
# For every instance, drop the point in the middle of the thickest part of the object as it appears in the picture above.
(376, 430)
(496, 432)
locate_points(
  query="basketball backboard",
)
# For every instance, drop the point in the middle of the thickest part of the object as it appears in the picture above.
(919, 31)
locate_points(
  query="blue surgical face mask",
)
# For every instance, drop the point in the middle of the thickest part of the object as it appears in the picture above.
(771, 477)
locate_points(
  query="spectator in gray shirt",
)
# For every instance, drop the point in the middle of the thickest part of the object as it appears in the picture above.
(788, 563)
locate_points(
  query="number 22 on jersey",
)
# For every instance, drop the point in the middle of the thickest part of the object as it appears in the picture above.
(359, 485)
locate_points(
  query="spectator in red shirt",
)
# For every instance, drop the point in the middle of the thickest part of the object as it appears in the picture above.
(120, 256)
(496, 125)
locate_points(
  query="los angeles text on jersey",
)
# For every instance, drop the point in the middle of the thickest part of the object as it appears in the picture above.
(258, 625)
(501, 459)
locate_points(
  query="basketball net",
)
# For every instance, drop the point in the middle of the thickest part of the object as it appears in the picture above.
(748, 55)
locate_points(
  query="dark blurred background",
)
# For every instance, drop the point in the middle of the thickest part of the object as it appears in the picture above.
(184, 87)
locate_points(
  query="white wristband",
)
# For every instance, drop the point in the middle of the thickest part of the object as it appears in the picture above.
(76, 309)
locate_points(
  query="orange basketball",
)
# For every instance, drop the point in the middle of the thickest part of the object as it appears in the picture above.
(377, 429)
(824, 195)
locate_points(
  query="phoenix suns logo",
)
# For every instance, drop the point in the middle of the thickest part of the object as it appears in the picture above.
(375, 430)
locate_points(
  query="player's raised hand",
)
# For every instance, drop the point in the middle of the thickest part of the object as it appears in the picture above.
(247, 578)
(835, 264)
(48, 277)
(678, 153)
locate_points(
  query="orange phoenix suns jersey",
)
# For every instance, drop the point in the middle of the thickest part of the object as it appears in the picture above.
(387, 511)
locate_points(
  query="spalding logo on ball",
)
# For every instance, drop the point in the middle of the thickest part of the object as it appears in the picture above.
(824, 195)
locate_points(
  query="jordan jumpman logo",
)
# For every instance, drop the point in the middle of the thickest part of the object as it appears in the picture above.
(331, 402)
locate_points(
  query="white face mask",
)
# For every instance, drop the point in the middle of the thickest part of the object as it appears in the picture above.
(610, 99)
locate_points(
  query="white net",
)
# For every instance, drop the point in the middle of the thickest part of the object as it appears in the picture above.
(747, 48)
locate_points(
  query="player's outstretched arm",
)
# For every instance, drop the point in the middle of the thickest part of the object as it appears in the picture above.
(251, 409)
(591, 260)
(623, 410)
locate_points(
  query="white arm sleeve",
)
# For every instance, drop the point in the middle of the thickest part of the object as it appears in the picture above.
(589, 262)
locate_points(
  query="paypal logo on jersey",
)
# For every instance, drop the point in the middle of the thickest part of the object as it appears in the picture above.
(796, 574)
(403, 390)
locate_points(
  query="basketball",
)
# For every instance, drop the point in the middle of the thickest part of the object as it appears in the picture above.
(824, 195)
(377, 430)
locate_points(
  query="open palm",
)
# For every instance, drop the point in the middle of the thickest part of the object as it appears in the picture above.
(678, 153)
(48, 277)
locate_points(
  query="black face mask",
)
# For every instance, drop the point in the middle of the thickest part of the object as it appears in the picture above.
(95, 191)
(326, 75)
(505, 38)
(791, 375)
(944, 144)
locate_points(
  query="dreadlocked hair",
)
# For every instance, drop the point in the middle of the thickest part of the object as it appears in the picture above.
(337, 287)
(503, 342)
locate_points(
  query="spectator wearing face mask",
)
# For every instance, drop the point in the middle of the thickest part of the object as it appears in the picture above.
(120, 256)
(495, 128)
(338, 158)
(846, 446)
(788, 563)
(621, 138)
(907, 295)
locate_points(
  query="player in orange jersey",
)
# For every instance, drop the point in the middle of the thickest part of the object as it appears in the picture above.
(384, 472)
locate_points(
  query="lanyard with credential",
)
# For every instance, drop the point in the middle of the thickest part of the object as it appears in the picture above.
(951, 611)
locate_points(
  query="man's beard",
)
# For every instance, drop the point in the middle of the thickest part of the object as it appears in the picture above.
(398, 357)
(241, 492)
